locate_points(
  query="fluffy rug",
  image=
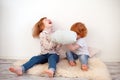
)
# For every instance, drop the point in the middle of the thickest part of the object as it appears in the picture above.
(97, 69)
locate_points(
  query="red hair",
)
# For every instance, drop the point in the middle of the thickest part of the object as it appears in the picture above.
(38, 28)
(80, 29)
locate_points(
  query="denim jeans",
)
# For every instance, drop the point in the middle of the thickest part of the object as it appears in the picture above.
(52, 60)
(71, 56)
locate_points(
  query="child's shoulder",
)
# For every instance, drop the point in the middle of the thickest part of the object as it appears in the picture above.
(81, 39)
(43, 33)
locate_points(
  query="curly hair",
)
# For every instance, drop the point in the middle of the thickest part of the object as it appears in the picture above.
(38, 27)
(79, 28)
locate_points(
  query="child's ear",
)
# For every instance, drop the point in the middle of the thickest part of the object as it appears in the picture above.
(64, 36)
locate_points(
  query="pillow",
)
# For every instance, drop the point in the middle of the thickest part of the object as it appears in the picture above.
(93, 51)
(64, 36)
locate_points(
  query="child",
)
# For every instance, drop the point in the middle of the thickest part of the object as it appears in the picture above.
(42, 29)
(79, 49)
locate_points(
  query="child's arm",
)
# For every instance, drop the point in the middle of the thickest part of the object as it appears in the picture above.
(45, 41)
(72, 47)
(58, 46)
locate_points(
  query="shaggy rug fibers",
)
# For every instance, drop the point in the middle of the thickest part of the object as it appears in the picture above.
(97, 69)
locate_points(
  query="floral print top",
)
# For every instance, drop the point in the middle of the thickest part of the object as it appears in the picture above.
(47, 46)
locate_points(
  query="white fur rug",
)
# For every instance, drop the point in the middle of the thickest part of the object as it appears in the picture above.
(97, 69)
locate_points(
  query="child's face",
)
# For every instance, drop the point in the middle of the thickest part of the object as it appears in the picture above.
(47, 23)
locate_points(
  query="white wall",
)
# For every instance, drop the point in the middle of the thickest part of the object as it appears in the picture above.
(17, 17)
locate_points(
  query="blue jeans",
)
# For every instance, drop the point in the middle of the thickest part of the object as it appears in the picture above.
(52, 60)
(72, 57)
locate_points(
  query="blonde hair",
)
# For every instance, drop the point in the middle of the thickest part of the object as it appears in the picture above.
(38, 27)
(80, 29)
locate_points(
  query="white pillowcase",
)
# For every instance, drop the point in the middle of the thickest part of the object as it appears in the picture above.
(64, 36)
(93, 51)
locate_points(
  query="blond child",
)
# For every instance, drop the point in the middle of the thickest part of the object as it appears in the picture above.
(42, 29)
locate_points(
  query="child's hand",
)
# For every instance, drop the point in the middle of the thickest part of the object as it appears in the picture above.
(69, 46)
(59, 45)
(72, 47)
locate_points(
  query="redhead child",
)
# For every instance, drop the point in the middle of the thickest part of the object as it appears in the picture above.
(43, 30)
(79, 49)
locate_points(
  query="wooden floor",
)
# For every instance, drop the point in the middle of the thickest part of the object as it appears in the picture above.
(114, 69)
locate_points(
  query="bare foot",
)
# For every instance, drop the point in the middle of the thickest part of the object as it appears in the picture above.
(17, 71)
(84, 67)
(50, 73)
(72, 63)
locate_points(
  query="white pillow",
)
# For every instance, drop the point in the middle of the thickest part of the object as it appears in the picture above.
(64, 36)
(93, 51)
